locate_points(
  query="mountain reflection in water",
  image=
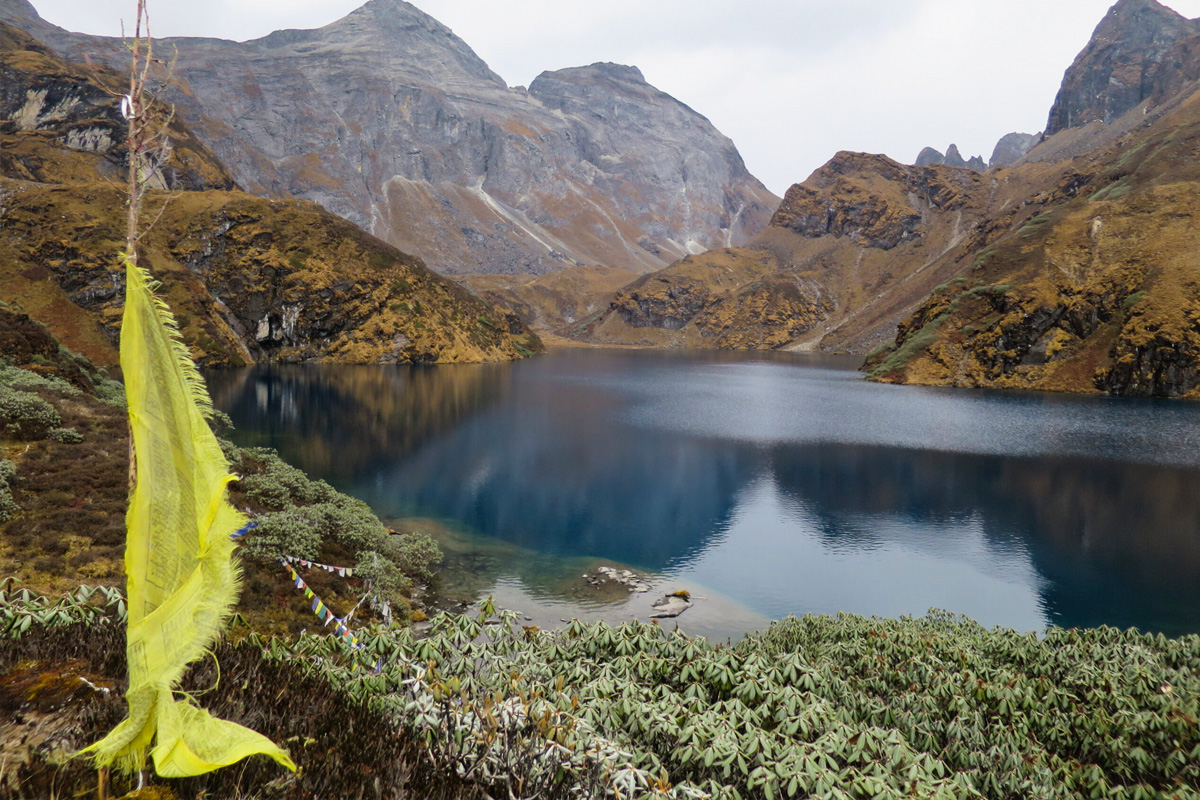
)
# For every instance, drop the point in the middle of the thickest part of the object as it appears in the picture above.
(786, 484)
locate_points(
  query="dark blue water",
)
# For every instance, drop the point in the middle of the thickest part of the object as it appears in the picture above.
(768, 484)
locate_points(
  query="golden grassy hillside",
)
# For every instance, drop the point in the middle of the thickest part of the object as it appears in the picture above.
(250, 279)
(1096, 291)
(849, 253)
(553, 303)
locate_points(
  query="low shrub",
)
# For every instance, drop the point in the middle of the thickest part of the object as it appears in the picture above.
(295, 532)
(415, 553)
(271, 483)
(17, 378)
(8, 505)
(847, 707)
(25, 416)
(381, 575)
(65, 435)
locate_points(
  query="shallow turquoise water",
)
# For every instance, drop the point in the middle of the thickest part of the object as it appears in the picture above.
(768, 484)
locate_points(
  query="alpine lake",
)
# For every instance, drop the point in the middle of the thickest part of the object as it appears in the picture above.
(764, 484)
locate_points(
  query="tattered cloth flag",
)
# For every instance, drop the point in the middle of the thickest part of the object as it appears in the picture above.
(181, 578)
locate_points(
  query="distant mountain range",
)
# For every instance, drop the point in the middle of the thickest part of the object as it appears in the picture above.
(1070, 264)
(249, 278)
(388, 119)
(596, 207)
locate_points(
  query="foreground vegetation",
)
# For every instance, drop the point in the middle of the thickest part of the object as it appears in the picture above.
(64, 486)
(845, 707)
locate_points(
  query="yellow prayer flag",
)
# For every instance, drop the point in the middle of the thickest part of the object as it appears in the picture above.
(181, 578)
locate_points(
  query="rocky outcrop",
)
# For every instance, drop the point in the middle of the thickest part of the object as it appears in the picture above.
(659, 302)
(929, 156)
(1011, 147)
(60, 123)
(387, 118)
(871, 199)
(1121, 65)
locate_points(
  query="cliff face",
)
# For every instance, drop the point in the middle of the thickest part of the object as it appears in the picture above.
(250, 279)
(388, 119)
(1121, 64)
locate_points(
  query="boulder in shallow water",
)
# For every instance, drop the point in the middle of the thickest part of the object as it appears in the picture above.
(671, 605)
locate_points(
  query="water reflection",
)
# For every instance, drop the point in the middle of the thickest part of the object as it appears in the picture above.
(1102, 542)
(786, 487)
(344, 423)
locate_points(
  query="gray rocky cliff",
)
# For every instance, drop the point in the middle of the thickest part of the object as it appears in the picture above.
(1011, 147)
(390, 120)
(929, 155)
(1118, 68)
(954, 158)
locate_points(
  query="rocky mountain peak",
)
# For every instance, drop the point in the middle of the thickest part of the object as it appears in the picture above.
(954, 158)
(951, 158)
(1011, 147)
(603, 69)
(930, 155)
(17, 9)
(390, 120)
(1114, 72)
(395, 30)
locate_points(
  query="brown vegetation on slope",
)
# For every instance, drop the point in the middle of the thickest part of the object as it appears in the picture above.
(556, 302)
(250, 279)
(63, 689)
(862, 242)
(1096, 292)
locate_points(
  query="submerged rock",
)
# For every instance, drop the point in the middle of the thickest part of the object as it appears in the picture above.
(671, 605)
(609, 575)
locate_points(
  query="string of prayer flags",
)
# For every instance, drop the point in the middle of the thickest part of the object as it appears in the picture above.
(319, 608)
(344, 572)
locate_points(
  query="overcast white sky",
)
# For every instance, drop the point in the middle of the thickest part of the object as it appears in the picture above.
(790, 81)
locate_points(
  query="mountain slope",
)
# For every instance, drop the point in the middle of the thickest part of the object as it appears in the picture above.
(850, 252)
(1095, 292)
(250, 279)
(388, 119)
